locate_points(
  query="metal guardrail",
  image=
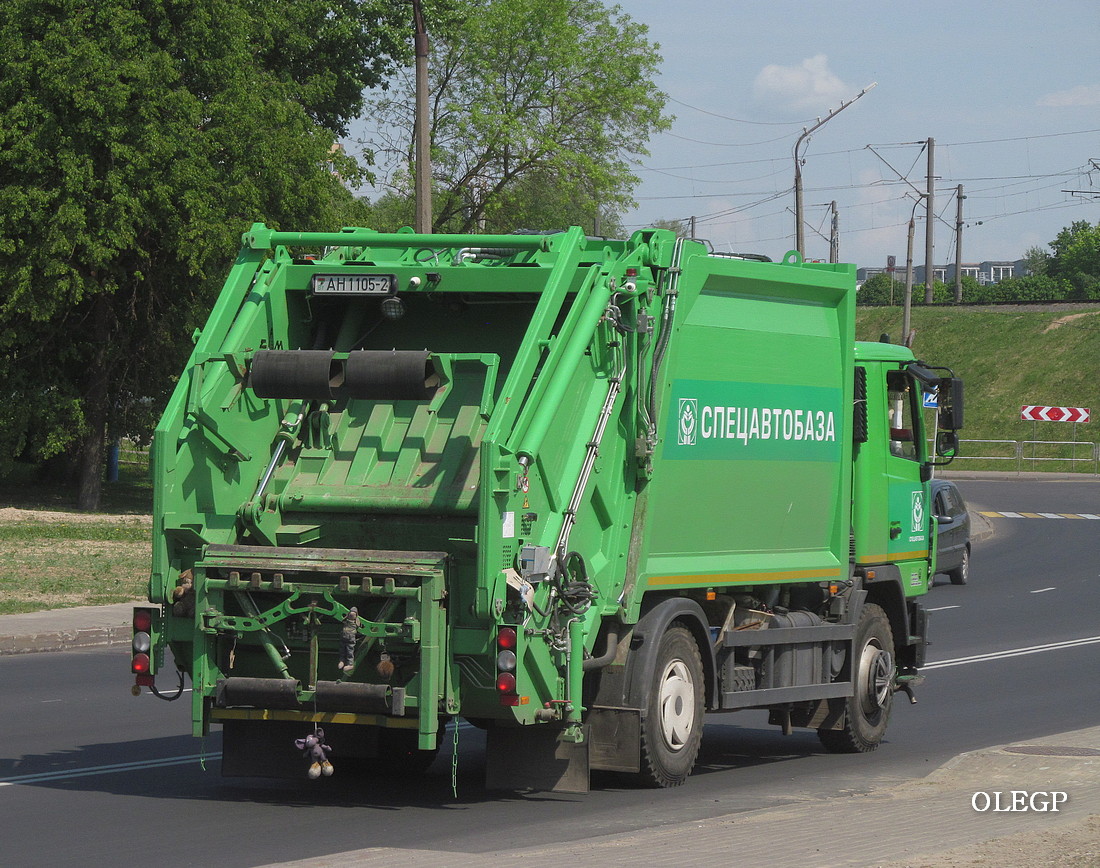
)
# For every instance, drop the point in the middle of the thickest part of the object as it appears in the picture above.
(1018, 450)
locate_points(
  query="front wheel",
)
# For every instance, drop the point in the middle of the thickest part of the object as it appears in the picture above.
(867, 712)
(961, 574)
(673, 726)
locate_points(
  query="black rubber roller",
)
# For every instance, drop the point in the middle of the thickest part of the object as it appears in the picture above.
(390, 375)
(295, 374)
(354, 697)
(257, 692)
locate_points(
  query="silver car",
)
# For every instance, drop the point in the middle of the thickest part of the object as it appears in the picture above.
(952, 531)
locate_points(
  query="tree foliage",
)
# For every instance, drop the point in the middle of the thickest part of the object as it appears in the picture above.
(137, 141)
(1076, 258)
(537, 109)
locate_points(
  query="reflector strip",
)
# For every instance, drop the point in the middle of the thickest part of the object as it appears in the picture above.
(730, 578)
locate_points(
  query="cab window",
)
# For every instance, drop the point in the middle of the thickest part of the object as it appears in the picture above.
(902, 415)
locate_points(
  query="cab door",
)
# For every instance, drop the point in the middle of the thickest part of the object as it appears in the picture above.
(910, 510)
(892, 515)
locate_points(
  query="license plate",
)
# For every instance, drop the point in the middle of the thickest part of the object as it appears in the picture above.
(353, 284)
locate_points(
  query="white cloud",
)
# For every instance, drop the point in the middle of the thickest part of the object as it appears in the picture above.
(808, 87)
(1082, 95)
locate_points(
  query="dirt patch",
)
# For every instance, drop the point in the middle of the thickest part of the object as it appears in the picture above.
(1062, 320)
(12, 514)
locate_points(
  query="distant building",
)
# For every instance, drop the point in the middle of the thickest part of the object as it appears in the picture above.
(989, 271)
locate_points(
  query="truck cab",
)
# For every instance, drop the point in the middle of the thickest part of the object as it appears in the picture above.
(893, 531)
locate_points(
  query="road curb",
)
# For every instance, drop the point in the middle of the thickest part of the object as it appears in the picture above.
(72, 629)
(64, 640)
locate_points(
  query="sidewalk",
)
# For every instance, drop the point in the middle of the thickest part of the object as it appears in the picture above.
(927, 823)
(62, 629)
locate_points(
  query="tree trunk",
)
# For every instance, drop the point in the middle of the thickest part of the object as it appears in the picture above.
(95, 410)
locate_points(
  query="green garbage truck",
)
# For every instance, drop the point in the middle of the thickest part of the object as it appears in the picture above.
(574, 491)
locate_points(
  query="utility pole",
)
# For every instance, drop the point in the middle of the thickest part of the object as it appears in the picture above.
(907, 305)
(799, 236)
(959, 244)
(929, 228)
(423, 222)
(834, 234)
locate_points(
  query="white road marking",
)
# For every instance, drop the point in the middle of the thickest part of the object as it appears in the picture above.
(942, 608)
(66, 774)
(1014, 652)
(1042, 590)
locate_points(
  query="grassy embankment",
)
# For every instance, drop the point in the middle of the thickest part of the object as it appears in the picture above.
(51, 558)
(1008, 358)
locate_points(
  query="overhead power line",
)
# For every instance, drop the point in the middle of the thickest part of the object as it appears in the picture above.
(739, 120)
(730, 144)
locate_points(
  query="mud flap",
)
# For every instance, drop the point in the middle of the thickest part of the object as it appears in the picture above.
(616, 739)
(535, 758)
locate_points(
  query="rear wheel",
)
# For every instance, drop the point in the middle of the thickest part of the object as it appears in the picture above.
(961, 574)
(673, 726)
(867, 712)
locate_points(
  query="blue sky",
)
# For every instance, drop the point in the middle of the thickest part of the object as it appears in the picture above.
(1010, 91)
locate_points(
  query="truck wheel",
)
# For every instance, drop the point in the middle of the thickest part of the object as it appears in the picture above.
(961, 573)
(673, 724)
(867, 713)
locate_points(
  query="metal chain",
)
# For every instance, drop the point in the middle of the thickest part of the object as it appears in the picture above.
(454, 760)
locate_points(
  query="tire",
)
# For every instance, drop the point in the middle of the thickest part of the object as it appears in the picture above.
(673, 725)
(961, 574)
(867, 712)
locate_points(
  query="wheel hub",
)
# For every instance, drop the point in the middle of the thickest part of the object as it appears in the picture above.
(677, 705)
(876, 677)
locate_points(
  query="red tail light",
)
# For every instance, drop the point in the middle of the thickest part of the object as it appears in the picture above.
(146, 621)
(508, 666)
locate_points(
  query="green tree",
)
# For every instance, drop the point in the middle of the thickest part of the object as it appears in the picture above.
(881, 289)
(137, 141)
(1076, 258)
(538, 108)
(680, 227)
(1037, 261)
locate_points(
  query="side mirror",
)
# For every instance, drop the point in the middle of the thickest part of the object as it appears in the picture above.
(951, 405)
(947, 444)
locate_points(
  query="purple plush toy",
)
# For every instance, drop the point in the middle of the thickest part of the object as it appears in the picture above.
(313, 748)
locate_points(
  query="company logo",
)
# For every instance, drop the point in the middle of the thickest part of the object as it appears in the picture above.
(689, 419)
(918, 511)
(724, 420)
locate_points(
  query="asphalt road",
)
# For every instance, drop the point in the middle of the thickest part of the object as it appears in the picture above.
(93, 776)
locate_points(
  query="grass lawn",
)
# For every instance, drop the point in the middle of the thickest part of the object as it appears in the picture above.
(52, 557)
